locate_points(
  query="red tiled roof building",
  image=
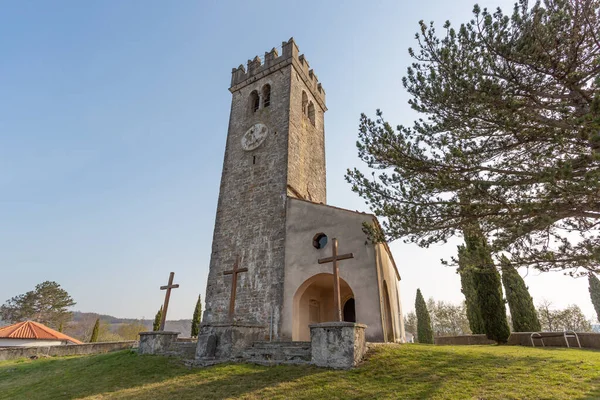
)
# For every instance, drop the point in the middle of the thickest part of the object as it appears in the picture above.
(29, 333)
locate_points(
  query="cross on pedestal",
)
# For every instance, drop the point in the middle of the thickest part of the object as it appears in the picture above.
(234, 273)
(168, 288)
(336, 276)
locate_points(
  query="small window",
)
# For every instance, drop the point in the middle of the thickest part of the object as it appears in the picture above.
(254, 101)
(304, 103)
(320, 240)
(311, 113)
(266, 95)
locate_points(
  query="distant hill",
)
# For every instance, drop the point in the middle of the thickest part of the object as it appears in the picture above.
(82, 320)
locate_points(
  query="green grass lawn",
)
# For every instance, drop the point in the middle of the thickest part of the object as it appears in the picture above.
(390, 372)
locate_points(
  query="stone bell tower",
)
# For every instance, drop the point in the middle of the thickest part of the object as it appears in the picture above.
(275, 149)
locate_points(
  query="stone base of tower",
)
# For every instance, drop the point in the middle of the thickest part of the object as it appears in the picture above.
(224, 342)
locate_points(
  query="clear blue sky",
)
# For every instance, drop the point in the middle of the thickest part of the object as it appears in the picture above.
(113, 118)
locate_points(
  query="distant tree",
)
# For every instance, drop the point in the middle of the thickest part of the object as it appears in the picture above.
(60, 327)
(157, 318)
(468, 290)
(488, 285)
(547, 316)
(509, 114)
(424, 330)
(410, 323)
(48, 304)
(95, 332)
(130, 331)
(595, 293)
(196, 318)
(523, 314)
(447, 319)
(571, 318)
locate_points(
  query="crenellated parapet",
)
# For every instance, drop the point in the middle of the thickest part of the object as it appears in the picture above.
(272, 61)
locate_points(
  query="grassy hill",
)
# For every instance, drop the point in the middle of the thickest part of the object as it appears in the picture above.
(390, 372)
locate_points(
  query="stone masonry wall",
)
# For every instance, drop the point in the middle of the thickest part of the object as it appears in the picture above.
(250, 220)
(11, 353)
(306, 149)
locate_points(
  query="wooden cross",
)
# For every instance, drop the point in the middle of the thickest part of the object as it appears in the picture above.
(336, 276)
(234, 273)
(168, 288)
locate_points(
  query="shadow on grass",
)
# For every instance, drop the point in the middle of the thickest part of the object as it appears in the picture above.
(406, 371)
(72, 377)
(225, 382)
(485, 372)
(593, 394)
(128, 375)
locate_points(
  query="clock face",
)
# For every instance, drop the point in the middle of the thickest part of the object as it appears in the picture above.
(254, 136)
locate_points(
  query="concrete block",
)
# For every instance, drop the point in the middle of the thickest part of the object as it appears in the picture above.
(157, 342)
(337, 344)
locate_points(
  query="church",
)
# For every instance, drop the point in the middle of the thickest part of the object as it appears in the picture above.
(271, 272)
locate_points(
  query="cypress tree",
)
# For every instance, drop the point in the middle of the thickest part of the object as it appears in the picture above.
(94, 337)
(522, 311)
(196, 318)
(595, 292)
(424, 330)
(157, 318)
(468, 290)
(60, 327)
(488, 286)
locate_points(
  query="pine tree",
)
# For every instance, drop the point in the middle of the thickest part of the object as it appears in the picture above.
(468, 289)
(487, 285)
(48, 304)
(196, 318)
(157, 318)
(424, 329)
(95, 331)
(509, 111)
(595, 292)
(522, 311)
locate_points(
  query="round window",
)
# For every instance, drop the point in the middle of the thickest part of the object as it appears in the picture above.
(320, 240)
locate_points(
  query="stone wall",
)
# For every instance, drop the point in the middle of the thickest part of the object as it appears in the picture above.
(226, 341)
(588, 340)
(250, 220)
(156, 342)
(338, 345)
(251, 210)
(463, 340)
(11, 353)
(306, 145)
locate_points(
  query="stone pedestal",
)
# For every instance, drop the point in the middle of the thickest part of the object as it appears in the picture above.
(337, 344)
(157, 342)
(227, 341)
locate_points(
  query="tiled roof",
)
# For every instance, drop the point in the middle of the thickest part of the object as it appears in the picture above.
(33, 330)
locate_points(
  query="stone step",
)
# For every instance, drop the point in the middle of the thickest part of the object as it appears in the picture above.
(182, 349)
(280, 343)
(279, 354)
(188, 345)
(273, 353)
(267, 363)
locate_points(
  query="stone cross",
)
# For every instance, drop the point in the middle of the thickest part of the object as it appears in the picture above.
(234, 273)
(168, 288)
(336, 276)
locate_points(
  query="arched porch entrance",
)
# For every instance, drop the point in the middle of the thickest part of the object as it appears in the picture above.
(313, 303)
